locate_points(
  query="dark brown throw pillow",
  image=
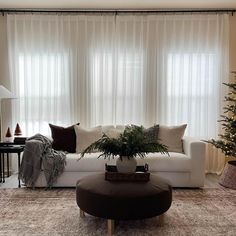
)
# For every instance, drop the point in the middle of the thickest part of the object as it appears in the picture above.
(64, 139)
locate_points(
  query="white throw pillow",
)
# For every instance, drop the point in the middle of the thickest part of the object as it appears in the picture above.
(120, 127)
(85, 137)
(172, 136)
(106, 128)
(114, 133)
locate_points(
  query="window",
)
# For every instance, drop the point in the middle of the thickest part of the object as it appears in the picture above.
(191, 90)
(117, 83)
(43, 91)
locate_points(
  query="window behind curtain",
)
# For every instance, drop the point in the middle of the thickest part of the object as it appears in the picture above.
(191, 91)
(118, 69)
(43, 93)
(117, 86)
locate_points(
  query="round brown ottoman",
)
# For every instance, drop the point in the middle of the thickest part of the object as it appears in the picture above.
(123, 200)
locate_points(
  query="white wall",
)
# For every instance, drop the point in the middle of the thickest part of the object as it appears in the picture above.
(4, 75)
(232, 43)
(5, 81)
(118, 4)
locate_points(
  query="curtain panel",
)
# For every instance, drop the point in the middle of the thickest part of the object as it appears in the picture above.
(119, 69)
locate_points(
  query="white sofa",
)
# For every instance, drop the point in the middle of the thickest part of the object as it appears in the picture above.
(181, 169)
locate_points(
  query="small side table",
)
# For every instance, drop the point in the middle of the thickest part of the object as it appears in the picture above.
(6, 149)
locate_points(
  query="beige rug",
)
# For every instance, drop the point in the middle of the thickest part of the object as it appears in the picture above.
(54, 212)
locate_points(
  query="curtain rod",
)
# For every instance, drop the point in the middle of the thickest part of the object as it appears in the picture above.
(46, 10)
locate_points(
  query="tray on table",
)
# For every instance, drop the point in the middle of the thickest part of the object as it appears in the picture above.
(141, 174)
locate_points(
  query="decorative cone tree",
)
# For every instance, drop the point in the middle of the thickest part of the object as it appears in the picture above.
(8, 134)
(18, 130)
(227, 141)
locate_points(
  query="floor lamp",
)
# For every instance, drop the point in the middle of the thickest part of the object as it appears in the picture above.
(4, 94)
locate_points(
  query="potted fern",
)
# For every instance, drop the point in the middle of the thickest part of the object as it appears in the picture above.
(133, 142)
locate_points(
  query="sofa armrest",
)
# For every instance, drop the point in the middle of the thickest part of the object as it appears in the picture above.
(196, 150)
(191, 144)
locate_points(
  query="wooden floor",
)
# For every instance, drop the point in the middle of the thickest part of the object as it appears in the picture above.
(211, 181)
(10, 182)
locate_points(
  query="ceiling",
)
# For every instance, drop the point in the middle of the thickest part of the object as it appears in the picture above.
(117, 4)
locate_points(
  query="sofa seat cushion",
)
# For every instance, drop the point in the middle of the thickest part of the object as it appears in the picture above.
(177, 162)
(89, 163)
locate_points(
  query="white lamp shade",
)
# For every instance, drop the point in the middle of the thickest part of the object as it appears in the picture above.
(5, 93)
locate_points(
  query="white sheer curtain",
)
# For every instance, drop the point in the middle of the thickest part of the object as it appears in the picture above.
(119, 69)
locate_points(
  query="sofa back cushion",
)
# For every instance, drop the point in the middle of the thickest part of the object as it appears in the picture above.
(114, 133)
(151, 134)
(172, 136)
(64, 139)
(85, 137)
(121, 127)
(107, 128)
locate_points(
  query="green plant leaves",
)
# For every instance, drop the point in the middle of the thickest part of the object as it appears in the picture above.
(130, 143)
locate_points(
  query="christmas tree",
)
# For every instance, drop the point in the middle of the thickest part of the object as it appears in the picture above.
(227, 142)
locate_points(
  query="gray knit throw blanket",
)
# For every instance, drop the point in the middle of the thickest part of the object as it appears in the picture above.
(38, 153)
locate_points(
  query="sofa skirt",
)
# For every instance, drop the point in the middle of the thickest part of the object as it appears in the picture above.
(176, 179)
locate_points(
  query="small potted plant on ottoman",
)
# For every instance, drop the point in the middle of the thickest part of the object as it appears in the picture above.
(133, 142)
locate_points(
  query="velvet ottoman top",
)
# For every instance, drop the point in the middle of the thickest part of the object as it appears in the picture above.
(123, 200)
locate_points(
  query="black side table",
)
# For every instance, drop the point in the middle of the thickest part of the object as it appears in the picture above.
(6, 149)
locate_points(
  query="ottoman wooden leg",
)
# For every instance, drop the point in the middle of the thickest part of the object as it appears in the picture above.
(161, 219)
(81, 213)
(110, 226)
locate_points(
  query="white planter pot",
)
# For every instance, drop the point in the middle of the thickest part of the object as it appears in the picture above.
(126, 165)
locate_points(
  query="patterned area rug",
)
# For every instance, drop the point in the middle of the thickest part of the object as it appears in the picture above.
(54, 212)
